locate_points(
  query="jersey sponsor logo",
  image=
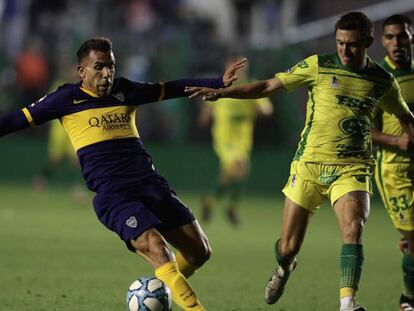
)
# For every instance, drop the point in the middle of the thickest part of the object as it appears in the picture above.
(131, 222)
(78, 101)
(327, 179)
(358, 129)
(335, 82)
(111, 121)
(355, 126)
(355, 104)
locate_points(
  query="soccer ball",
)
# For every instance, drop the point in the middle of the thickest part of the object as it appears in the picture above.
(149, 294)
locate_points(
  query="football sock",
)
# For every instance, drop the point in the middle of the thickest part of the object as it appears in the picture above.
(221, 191)
(235, 191)
(351, 261)
(283, 262)
(408, 275)
(182, 293)
(183, 266)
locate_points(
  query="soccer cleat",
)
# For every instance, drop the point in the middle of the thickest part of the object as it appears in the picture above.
(406, 304)
(357, 308)
(276, 284)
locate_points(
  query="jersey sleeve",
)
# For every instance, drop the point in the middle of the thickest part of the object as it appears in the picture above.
(393, 102)
(145, 92)
(47, 108)
(303, 73)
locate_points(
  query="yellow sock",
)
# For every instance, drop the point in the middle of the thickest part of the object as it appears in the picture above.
(346, 292)
(182, 293)
(185, 268)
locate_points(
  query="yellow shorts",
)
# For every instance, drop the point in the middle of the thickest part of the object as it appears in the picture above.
(395, 185)
(59, 145)
(229, 154)
(309, 183)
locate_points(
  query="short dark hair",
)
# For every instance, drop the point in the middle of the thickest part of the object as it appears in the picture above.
(398, 19)
(97, 43)
(356, 21)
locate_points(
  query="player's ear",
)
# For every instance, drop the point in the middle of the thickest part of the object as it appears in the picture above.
(81, 71)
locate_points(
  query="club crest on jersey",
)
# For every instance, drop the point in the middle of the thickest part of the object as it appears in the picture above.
(132, 222)
(335, 82)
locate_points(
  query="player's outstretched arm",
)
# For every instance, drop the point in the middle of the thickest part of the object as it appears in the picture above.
(256, 89)
(12, 122)
(176, 88)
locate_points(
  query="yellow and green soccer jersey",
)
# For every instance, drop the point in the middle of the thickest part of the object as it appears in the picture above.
(388, 123)
(232, 130)
(340, 107)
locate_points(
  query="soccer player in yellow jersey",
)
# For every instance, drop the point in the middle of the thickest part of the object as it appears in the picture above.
(232, 134)
(395, 168)
(334, 157)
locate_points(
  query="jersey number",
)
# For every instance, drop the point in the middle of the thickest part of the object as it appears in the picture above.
(399, 203)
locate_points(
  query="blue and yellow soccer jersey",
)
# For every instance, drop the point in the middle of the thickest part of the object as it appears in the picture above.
(388, 123)
(102, 129)
(232, 130)
(340, 108)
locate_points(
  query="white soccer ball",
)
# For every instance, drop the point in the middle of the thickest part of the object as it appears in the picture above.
(149, 294)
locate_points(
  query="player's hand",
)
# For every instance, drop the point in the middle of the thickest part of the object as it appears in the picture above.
(229, 75)
(205, 92)
(404, 143)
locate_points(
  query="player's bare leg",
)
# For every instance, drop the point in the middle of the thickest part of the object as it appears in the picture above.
(351, 211)
(295, 223)
(192, 245)
(153, 247)
(407, 297)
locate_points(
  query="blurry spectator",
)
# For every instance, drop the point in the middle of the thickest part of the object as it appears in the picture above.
(32, 73)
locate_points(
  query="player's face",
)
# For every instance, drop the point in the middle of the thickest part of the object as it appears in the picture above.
(352, 48)
(397, 40)
(97, 72)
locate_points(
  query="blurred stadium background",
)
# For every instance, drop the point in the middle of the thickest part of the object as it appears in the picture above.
(159, 40)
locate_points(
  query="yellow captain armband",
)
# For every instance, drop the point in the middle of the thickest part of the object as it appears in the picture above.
(28, 117)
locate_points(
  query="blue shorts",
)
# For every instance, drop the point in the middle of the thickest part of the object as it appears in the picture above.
(130, 213)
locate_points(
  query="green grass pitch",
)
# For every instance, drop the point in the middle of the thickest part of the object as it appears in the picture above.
(55, 255)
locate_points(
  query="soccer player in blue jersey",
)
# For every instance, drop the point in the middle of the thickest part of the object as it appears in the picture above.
(395, 167)
(334, 158)
(132, 199)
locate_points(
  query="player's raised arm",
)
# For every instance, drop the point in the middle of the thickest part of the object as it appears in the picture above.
(256, 89)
